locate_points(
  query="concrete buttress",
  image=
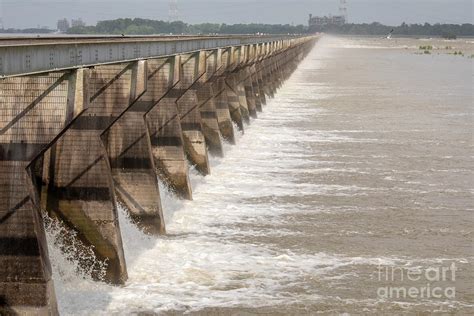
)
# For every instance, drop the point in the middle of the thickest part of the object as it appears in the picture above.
(163, 124)
(189, 110)
(259, 75)
(231, 91)
(208, 102)
(81, 186)
(236, 82)
(131, 160)
(33, 111)
(224, 118)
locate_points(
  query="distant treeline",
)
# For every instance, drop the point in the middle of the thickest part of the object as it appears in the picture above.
(442, 30)
(147, 27)
(26, 31)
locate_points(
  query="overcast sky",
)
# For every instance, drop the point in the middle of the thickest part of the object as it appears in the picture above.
(30, 13)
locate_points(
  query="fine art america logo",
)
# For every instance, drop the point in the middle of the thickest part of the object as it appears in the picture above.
(417, 282)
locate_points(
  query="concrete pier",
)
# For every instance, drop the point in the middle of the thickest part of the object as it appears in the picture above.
(242, 94)
(86, 127)
(250, 94)
(129, 150)
(259, 76)
(267, 65)
(252, 72)
(233, 98)
(208, 103)
(163, 124)
(192, 72)
(34, 111)
(230, 86)
(224, 118)
(84, 184)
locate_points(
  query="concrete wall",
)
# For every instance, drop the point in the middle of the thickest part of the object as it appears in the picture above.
(79, 143)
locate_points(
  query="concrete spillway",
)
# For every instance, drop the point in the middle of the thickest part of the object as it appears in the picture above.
(87, 123)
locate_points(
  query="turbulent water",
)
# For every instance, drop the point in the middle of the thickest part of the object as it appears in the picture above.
(357, 173)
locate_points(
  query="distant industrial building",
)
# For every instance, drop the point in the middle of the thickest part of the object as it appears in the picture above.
(317, 23)
(63, 25)
(322, 21)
